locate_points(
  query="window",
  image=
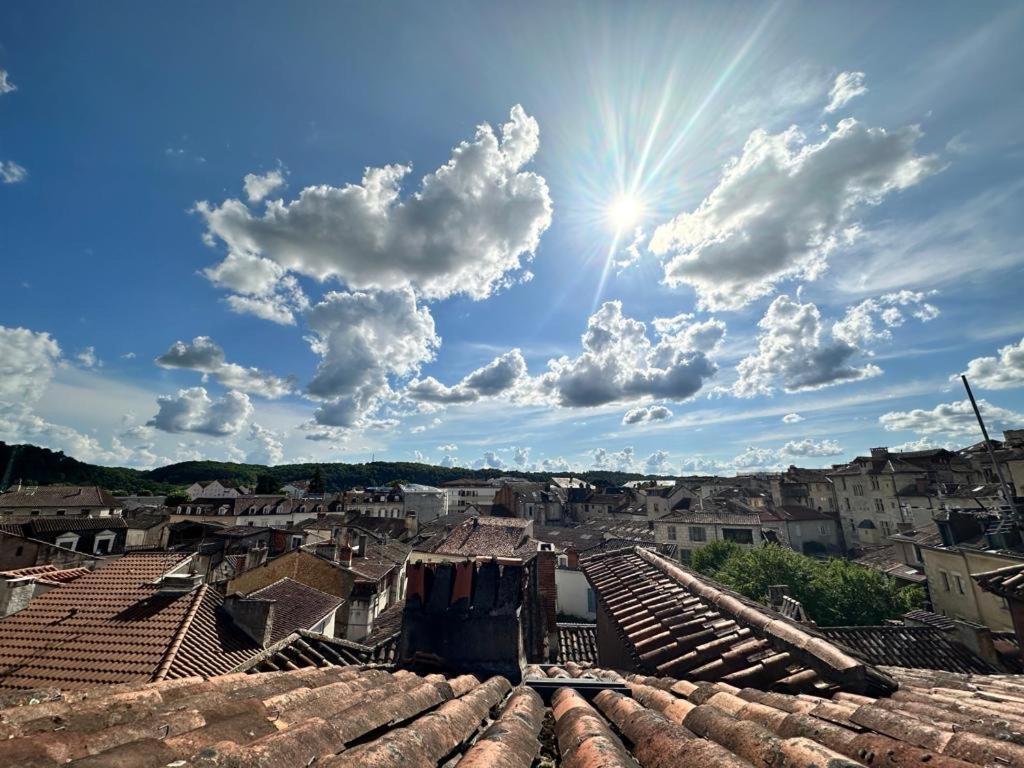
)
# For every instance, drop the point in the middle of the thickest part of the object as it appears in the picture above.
(945, 580)
(18, 552)
(697, 533)
(685, 556)
(591, 601)
(35, 512)
(60, 513)
(846, 501)
(68, 540)
(844, 482)
(879, 505)
(917, 554)
(739, 535)
(671, 533)
(959, 583)
(858, 490)
(874, 483)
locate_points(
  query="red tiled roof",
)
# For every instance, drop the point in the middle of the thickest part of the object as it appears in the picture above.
(60, 524)
(902, 646)
(1006, 582)
(485, 537)
(69, 496)
(577, 643)
(113, 625)
(297, 606)
(349, 716)
(673, 621)
(49, 573)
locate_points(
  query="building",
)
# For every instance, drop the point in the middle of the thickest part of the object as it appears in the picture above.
(18, 550)
(375, 502)
(463, 494)
(140, 618)
(1009, 453)
(804, 529)
(216, 489)
(870, 490)
(544, 503)
(263, 510)
(98, 536)
(680, 534)
(19, 587)
(804, 487)
(294, 606)
(22, 503)
(479, 538)
(425, 502)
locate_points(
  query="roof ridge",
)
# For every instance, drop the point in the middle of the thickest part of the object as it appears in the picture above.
(179, 636)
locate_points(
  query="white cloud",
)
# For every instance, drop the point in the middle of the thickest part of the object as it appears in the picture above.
(192, 410)
(791, 350)
(792, 418)
(756, 459)
(502, 375)
(470, 223)
(782, 207)
(258, 187)
(279, 306)
(808, 447)
(870, 321)
(267, 448)
(205, 355)
(1003, 372)
(449, 448)
(554, 464)
(87, 358)
(923, 444)
(657, 464)
(449, 461)
(620, 461)
(490, 460)
(419, 457)
(6, 86)
(363, 338)
(27, 360)
(848, 85)
(128, 356)
(956, 418)
(619, 363)
(642, 414)
(702, 465)
(419, 428)
(520, 456)
(11, 172)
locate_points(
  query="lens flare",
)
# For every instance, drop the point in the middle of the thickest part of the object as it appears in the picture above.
(624, 212)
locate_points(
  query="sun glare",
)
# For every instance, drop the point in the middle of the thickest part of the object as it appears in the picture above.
(624, 212)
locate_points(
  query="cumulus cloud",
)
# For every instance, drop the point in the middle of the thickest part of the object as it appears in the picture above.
(756, 459)
(87, 358)
(490, 460)
(808, 447)
(620, 461)
(280, 305)
(643, 414)
(504, 374)
(520, 456)
(620, 363)
(1003, 372)
(205, 355)
(782, 207)
(424, 427)
(871, 320)
(11, 172)
(6, 86)
(471, 222)
(923, 444)
(657, 464)
(791, 350)
(27, 360)
(792, 418)
(956, 418)
(554, 464)
(192, 410)
(258, 187)
(267, 447)
(363, 338)
(848, 85)
(449, 461)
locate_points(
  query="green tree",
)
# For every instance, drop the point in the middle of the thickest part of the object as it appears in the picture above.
(316, 482)
(833, 592)
(711, 557)
(174, 499)
(267, 484)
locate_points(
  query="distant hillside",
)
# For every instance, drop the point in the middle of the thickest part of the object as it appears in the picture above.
(41, 466)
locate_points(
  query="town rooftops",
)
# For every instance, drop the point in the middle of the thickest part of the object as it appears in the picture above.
(794, 513)
(119, 624)
(1006, 582)
(674, 622)
(906, 646)
(345, 716)
(58, 496)
(484, 537)
(49, 574)
(712, 517)
(296, 606)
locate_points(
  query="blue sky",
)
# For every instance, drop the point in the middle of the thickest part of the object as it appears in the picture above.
(698, 220)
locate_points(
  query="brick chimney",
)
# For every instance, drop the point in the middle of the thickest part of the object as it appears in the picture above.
(572, 557)
(345, 555)
(253, 616)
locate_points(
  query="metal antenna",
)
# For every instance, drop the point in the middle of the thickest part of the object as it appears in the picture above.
(1007, 490)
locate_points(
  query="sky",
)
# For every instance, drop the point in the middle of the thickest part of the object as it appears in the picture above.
(656, 237)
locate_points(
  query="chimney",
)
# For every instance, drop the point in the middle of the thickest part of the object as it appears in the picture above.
(255, 557)
(411, 524)
(178, 583)
(345, 555)
(879, 453)
(572, 557)
(253, 616)
(361, 546)
(978, 639)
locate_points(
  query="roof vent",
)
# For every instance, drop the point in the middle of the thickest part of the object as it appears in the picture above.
(179, 583)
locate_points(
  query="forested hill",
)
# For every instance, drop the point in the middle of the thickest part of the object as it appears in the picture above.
(34, 465)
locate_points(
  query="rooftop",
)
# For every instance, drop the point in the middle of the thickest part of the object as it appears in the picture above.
(114, 625)
(45, 496)
(296, 606)
(484, 537)
(351, 716)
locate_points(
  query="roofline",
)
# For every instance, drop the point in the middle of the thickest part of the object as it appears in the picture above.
(179, 637)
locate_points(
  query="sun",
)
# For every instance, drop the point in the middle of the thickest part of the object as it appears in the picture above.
(624, 212)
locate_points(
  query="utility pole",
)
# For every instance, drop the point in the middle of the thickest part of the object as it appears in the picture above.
(1007, 489)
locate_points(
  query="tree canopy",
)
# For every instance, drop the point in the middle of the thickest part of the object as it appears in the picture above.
(833, 592)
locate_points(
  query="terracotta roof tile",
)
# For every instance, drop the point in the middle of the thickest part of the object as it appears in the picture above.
(297, 606)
